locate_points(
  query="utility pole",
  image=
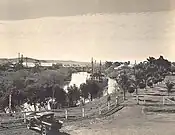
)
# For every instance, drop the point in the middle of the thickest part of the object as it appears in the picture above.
(19, 57)
(53, 93)
(100, 71)
(135, 77)
(100, 67)
(26, 61)
(10, 102)
(134, 68)
(95, 66)
(92, 68)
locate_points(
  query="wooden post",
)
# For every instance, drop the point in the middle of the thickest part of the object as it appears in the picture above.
(137, 99)
(144, 101)
(10, 103)
(117, 100)
(163, 100)
(66, 114)
(99, 109)
(83, 112)
(24, 117)
(108, 106)
(143, 108)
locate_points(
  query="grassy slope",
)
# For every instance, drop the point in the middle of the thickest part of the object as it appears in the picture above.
(128, 121)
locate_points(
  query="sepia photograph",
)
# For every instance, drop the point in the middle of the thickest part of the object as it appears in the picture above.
(87, 67)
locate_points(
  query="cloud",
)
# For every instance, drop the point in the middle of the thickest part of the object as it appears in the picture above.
(30, 9)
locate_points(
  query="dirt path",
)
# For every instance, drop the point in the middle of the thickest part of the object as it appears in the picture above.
(129, 121)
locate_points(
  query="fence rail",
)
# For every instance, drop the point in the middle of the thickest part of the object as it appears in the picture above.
(89, 110)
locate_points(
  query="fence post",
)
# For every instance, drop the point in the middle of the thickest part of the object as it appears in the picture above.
(24, 117)
(137, 99)
(108, 105)
(83, 112)
(117, 100)
(144, 101)
(66, 114)
(163, 100)
(10, 103)
(99, 109)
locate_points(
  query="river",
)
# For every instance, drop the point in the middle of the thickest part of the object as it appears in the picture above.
(81, 77)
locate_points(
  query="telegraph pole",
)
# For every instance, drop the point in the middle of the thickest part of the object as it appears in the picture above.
(135, 77)
(10, 102)
(26, 61)
(53, 92)
(92, 68)
(134, 68)
(19, 57)
(95, 66)
(100, 71)
(100, 66)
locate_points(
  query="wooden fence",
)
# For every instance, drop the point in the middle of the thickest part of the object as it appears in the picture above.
(90, 110)
(97, 108)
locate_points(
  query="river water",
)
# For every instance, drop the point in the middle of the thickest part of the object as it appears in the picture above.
(81, 77)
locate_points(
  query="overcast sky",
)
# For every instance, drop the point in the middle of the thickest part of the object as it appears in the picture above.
(81, 29)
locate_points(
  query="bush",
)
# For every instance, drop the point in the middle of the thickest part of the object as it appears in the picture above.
(131, 89)
(142, 85)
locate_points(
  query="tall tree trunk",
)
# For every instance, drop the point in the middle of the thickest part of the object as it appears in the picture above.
(91, 98)
(136, 91)
(35, 107)
(145, 84)
(124, 94)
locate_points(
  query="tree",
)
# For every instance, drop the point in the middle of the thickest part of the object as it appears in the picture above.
(150, 83)
(73, 95)
(151, 60)
(173, 68)
(93, 89)
(131, 89)
(108, 64)
(60, 95)
(32, 93)
(84, 90)
(169, 86)
(57, 66)
(124, 83)
(116, 64)
(37, 66)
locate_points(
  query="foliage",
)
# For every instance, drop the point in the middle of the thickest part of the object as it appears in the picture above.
(84, 90)
(131, 89)
(169, 86)
(73, 95)
(108, 64)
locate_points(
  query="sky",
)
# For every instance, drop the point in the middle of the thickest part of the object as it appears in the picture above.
(118, 30)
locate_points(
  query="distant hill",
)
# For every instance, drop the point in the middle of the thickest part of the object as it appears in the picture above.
(68, 62)
(32, 60)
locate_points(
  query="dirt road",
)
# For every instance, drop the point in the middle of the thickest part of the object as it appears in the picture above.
(129, 121)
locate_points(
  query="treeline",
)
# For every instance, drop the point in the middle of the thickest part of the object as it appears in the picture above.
(142, 75)
(24, 86)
